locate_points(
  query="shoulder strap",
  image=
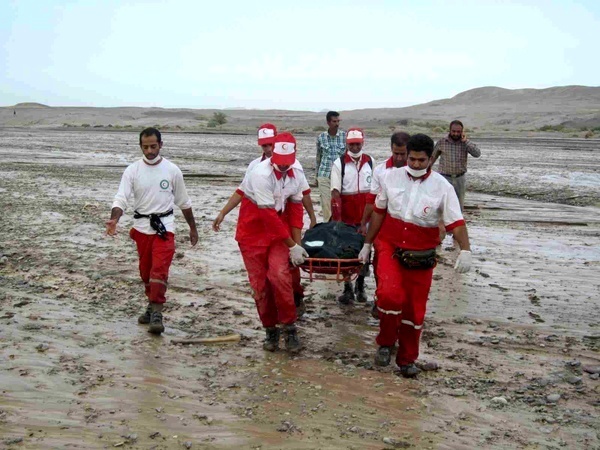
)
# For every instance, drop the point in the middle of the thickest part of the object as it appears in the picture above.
(343, 164)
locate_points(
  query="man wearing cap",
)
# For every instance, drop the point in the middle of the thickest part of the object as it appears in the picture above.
(156, 186)
(412, 201)
(398, 159)
(331, 144)
(453, 150)
(266, 139)
(270, 215)
(350, 184)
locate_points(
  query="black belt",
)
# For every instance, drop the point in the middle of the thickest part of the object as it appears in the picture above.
(453, 176)
(155, 222)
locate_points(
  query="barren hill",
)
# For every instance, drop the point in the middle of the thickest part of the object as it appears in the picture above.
(573, 109)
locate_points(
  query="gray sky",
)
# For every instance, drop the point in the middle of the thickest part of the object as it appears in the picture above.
(308, 55)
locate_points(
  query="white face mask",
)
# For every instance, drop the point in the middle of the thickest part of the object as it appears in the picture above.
(276, 167)
(416, 173)
(152, 161)
(355, 155)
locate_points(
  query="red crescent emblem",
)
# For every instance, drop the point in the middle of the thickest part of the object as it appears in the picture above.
(426, 209)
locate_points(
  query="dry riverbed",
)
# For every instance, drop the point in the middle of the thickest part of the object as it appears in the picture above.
(514, 343)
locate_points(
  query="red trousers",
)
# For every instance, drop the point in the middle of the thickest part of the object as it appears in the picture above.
(155, 255)
(271, 281)
(401, 300)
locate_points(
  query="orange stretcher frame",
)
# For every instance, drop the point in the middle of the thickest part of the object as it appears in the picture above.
(331, 269)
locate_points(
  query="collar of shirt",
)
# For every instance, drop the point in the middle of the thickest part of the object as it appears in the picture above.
(389, 163)
(263, 157)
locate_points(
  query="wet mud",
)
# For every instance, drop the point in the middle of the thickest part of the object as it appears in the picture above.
(514, 342)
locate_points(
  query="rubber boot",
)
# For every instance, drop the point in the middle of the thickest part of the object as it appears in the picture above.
(359, 290)
(271, 342)
(348, 296)
(292, 342)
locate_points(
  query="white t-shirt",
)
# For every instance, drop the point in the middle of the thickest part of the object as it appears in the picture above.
(155, 189)
(263, 188)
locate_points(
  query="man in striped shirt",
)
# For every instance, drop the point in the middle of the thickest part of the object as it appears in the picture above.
(453, 151)
(331, 144)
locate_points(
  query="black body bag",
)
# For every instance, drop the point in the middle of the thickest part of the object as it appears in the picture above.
(417, 259)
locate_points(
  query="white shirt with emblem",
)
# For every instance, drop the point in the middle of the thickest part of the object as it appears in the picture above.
(155, 189)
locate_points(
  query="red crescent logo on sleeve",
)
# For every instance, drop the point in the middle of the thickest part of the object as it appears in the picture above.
(426, 209)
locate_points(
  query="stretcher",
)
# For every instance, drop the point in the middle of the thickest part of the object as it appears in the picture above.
(330, 269)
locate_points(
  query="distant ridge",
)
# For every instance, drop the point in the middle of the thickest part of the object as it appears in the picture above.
(30, 105)
(488, 109)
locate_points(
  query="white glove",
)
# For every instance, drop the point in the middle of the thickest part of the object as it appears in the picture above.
(463, 262)
(297, 255)
(365, 253)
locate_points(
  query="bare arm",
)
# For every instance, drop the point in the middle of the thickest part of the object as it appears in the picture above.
(233, 201)
(308, 206)
(189, 218)
(462, 237)
(111, 224)
(366, 217)
(376, 222)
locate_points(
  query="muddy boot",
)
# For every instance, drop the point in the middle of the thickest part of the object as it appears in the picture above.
(359, 290)
(292, 342)
(383, 356)
(271, 342)
(409, 371)
(300, 306)
(348, 296)
(144, 319)
(156, 324)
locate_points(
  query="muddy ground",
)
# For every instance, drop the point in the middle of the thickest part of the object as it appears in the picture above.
(516, 340)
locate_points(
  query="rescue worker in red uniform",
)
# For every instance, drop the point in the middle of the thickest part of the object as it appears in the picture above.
(398, 159)
(412, 201)
(266, 139)
(271, 207)
(350, 184)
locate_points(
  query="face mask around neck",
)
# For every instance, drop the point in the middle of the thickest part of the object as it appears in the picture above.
(416, 173)
(152, 161)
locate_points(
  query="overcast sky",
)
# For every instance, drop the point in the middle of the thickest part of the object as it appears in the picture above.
(309, 55)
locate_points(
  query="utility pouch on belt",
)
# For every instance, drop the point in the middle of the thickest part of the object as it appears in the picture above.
(416, 259)
(155, 222)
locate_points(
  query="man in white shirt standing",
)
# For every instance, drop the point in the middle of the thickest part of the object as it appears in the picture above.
(156, 186)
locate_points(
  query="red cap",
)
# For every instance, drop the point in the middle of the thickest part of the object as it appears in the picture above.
(266, 134)
(284, 151)
(355, 136)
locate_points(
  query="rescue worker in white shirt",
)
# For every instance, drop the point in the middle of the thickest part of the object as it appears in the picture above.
(271, 207)
(398, 159)
(350, 184)
(156, 185)
(412, 201)
(266, 139)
